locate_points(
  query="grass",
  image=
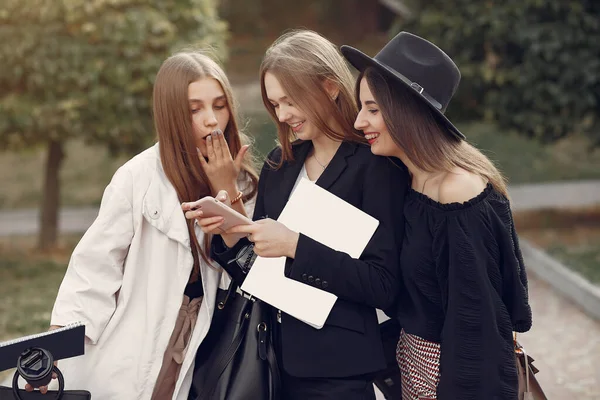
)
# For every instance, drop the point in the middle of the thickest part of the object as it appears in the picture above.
(584, 259)
(29, 285)
(30, 282)
(572, 236)
(524, 160)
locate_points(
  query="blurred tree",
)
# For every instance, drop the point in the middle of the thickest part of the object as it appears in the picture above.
(85, 68)
(350, 19)
(530, 65)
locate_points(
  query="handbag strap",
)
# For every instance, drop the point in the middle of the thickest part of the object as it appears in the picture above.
(274, 368)
(520, 350)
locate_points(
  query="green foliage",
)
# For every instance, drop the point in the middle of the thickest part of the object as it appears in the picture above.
(531, 65)
(85, 68)
(347, 19)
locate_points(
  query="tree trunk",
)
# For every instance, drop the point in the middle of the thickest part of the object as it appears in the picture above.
(51, 197)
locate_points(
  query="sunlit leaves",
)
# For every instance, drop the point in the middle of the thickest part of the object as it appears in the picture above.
(85, 68)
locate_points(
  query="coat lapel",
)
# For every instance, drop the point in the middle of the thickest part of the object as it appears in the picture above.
(161, 207)
(337, 165)
(286, 176)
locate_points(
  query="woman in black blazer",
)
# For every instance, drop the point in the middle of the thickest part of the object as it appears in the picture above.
(307, 89)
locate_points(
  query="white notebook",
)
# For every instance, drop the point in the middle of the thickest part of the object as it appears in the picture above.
(326, 218)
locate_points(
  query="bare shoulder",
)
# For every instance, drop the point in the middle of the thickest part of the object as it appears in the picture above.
(460, 186)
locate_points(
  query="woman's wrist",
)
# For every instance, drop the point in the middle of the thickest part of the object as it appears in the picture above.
(229, 240)
(292, 245)
(232, 191)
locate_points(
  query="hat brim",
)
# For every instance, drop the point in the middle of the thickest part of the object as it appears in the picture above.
(361, 61)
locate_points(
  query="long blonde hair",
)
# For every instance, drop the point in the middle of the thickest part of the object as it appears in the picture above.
(174, 127)
(303, 61)
(417, 131)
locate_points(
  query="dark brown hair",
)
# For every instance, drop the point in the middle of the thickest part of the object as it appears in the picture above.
(417, 131)
(173, 122)
(302, 61)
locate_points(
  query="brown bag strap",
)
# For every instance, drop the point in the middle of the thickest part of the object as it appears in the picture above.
(519, 350)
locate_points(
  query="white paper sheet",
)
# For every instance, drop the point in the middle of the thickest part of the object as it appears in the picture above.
(326, 218)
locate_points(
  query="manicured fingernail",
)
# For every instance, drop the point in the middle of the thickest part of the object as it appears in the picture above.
(198, 150)
(209, 138)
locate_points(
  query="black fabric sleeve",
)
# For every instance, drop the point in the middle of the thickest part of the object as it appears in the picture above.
(373, 279)
(474, 265)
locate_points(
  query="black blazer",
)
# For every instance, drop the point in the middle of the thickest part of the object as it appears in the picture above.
(349, 343)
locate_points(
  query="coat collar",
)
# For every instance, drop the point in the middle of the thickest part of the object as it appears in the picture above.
(161, 206)
(290, 171)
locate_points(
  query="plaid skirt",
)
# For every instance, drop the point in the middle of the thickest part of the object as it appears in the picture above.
(419, 362)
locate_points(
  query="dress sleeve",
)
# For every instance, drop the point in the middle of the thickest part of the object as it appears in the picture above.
(484, 299)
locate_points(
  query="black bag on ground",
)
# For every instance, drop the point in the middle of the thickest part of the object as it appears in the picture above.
(236, 360)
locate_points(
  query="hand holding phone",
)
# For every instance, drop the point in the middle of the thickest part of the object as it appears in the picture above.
(207, 212)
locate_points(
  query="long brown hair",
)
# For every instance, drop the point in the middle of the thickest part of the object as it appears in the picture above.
(173, 123)
(302, 61)
(416, 130)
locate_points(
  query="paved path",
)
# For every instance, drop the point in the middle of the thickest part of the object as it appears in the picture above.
(565, 343)
(26, 222)
(555, 195)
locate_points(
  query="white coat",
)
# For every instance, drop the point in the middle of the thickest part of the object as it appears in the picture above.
(125, 282)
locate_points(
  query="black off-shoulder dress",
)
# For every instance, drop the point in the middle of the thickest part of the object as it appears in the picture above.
(465, 287)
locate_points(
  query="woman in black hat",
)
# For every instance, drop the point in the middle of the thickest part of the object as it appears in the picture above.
(465, 282)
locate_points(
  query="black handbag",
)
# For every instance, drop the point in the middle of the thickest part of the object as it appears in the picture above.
(236, 360)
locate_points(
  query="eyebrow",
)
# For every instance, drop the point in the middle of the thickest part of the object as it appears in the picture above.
(222, 97)
(370, 102)
(284, 98)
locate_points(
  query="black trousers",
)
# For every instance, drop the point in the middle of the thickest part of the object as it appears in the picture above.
(351, 388)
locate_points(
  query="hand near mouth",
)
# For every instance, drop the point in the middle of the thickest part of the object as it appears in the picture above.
(220, 167)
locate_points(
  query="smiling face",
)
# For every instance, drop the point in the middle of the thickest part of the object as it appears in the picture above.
(209, 109)
(287, 112)
(370, 122)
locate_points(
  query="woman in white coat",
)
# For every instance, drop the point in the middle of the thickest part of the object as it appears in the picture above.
(127, 276)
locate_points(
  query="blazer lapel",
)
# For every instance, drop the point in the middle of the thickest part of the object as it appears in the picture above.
(337, 165)
(287, 176)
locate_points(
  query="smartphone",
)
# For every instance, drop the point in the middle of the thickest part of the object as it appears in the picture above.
(212, 207)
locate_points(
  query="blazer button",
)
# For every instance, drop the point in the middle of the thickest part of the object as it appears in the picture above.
(324, 284)
(318, 282)
(304, 277)
(311, 279)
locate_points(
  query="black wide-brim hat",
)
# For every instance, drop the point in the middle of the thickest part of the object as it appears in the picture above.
(420, 66)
